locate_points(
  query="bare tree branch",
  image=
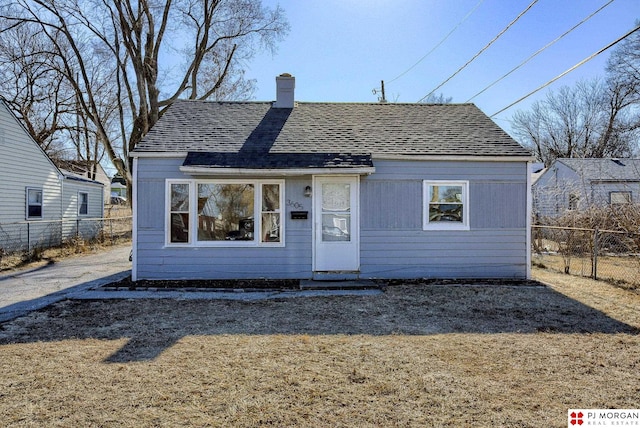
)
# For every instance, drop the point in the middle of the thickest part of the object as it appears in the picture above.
(115, 62)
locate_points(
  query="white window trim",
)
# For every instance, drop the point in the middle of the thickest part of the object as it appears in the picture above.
(167, 213)
(80, 203)
(426, 224)
(620, 192)
(193, 214)
(26, 207)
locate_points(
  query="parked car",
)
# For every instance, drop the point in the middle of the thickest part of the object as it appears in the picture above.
(118, 200)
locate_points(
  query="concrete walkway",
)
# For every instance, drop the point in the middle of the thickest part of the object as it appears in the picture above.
(31, 289)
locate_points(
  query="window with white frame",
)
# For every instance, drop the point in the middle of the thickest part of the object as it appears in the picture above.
(178, 198)
(620, 197)
(83, 203)
(34, 203)
(226, 212)
(271, 212)
(446, 205)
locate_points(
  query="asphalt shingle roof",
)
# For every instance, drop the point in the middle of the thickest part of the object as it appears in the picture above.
(605, 169)
(376, 129)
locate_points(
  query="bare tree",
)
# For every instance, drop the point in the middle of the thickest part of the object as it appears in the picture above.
(623, 75)
(33, 88)
(126, 61)
(437, 99)
(584, 121)
(624, 63)
(597, 118)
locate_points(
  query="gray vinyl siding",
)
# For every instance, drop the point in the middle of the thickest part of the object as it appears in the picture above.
(23, 164)
(470, 254)
(392, 241)
(84, 224)
(155, 260)
(601, 192)
(552, 192)
(71, 199)
(393, 244)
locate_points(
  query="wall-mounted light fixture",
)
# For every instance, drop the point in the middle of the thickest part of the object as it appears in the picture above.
(307, 191)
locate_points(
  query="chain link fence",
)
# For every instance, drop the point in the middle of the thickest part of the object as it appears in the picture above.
(600, 254)
(27, 236)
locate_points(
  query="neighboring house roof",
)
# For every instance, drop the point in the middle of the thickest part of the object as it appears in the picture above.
(537, 170)
(380, 130)
(606, 169)
(75, 177)
(535, 176)
(79, 167)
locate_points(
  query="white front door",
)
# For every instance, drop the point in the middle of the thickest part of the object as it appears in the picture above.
(336, 223)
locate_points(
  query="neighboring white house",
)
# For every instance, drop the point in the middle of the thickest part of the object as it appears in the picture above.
(576, 184)
(85, 169)
(118, 190)
(36, 195)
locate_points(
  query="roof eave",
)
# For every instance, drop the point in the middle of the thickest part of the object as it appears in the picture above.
(274, 172)
(381, 156)
(460, 158)
(164, 154)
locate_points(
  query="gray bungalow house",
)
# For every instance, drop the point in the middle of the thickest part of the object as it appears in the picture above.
(39, 202)
(307, 190)
(577, 184)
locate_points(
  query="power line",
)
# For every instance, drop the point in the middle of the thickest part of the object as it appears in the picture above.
(482, 50)
(567, 71)
(542, 49)
(440, 43)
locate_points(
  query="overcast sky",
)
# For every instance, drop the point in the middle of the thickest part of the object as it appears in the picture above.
(340, 50)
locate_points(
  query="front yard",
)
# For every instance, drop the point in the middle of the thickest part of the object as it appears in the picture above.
(425, 355)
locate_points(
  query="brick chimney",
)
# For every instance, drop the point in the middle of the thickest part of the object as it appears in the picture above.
(285, 89)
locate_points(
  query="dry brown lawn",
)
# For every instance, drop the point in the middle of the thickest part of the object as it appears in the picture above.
(623, 270)
(421, 355)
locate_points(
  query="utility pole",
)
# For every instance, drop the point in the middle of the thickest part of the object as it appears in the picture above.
(382, 98)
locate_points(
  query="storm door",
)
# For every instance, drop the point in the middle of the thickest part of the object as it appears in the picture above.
(336, 223)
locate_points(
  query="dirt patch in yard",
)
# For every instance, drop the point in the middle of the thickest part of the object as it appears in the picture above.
(416, 355)
(221, 284)
(293, 284)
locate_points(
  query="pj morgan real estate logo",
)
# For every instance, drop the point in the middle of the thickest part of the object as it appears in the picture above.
(603, 418)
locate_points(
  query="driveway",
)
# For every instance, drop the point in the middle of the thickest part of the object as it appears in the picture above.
(26, 290)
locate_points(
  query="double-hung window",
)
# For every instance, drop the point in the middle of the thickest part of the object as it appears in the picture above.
(271, 213)
(83, 203)
(34, 203)
(446, 205)
(178, 198)
(226, 212)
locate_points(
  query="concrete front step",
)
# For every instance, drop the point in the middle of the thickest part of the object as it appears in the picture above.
(336, 276)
